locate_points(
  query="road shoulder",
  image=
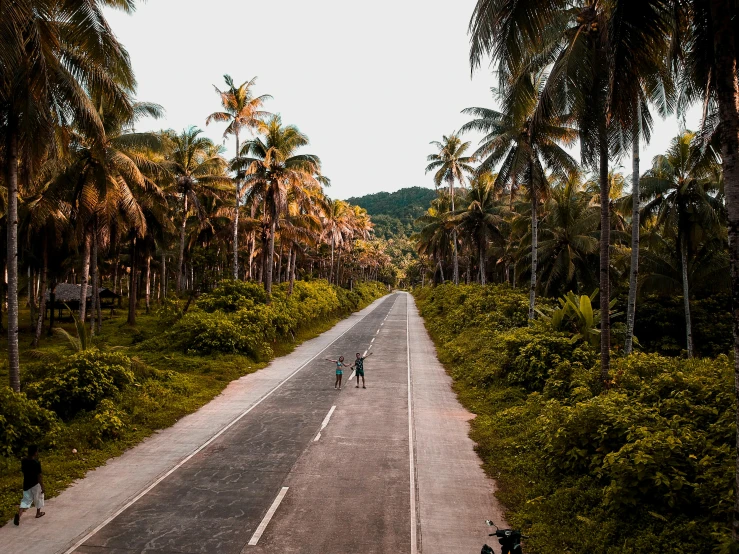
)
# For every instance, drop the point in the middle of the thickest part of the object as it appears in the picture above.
(455, 496)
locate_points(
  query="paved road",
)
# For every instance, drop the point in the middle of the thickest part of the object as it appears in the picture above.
(283, 463)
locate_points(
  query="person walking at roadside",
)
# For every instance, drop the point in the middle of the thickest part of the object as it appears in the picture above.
(340, 365)
(33, 485)
(359, 365)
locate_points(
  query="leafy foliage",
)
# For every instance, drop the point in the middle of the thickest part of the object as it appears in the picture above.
(82, 380)
(24, 421)
(646, 466)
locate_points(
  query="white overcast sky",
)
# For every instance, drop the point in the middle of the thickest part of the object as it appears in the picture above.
(370, 83)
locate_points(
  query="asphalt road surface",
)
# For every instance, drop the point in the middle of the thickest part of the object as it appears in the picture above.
(284, 463)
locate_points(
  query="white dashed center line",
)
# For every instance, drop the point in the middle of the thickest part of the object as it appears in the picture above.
(325, 422)
(267, 517)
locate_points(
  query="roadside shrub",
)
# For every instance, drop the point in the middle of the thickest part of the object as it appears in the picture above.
(82, 380)
(107, 421)
(168, 312)
(235, 318)
(204, 333)
(231, 296)
(22, 422)
(646, 466)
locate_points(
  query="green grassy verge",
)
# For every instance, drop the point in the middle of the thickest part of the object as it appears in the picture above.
(169, 384)
(646, 466)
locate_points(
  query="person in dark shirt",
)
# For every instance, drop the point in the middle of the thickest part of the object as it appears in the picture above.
(33, 485)
(359, 365)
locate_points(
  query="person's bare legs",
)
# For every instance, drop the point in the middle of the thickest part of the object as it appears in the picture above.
(17, 518)
(357, 381)
(364, 387)
(39, 513)
(338, 380)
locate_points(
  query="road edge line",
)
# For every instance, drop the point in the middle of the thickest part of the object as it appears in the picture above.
(411, 440)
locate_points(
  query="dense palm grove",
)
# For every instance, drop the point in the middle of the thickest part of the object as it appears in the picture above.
(92, 201)
(520, 209)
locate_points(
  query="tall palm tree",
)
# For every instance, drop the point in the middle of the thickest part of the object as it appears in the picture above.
(434, 239)
(273, 168)
(242, 110)
(198, 169)
(336, 226)
(47, 70)
(481, 219)
(106, 175)
(569, 232)
(681, 194)
(451, 165)
(528, 144)
(586, 46)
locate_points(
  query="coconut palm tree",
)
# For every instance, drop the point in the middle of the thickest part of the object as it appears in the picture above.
(585, 46)
(47, 71)
(568, 241)
(481, 219)
(528, 144)
(450, 165)
(681, 193)
(273, 168)
(435, 238)
(242, 110)
(198, 169)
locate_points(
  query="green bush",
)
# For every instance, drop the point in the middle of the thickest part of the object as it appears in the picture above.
(82, 380)
(108, 421)
(235, 318)
(647, 466)
(23, 422)
(168, 312)
(231, 296)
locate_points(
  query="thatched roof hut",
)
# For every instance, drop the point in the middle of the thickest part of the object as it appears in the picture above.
(69, 294)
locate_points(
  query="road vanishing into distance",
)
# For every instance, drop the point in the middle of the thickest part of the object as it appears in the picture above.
(282, 462)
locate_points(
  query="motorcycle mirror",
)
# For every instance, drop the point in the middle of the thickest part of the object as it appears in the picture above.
(489, 523)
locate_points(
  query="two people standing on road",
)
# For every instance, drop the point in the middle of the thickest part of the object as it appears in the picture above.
(358, 365)
(33, 485)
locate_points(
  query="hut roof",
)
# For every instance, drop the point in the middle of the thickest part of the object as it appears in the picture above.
(67, 292)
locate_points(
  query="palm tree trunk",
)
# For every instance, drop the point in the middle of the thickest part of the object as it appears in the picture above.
(338, 268)
(635, 228)
(727, 94)
(534, 250)
(132, 286)
(482, 262)
(236, 219)
(269, 265)
(163, 278)
(94, 279)
(148, 283)
(279, 265)
(605, 258)
(686, 296)
(42, 294)
(441, 271)
(85, 277)
(331, 273)
(291, 269)
(11, 154)
(181, 259)
(455, 261)
(252, 245)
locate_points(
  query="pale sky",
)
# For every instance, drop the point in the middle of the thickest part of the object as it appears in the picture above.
(370, 83)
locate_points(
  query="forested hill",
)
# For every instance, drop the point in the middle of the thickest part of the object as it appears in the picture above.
(393, 213)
